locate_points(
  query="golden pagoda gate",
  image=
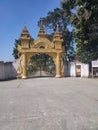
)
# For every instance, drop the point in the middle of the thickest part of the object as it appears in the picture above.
(42, 44)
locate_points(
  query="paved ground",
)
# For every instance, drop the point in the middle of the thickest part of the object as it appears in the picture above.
(49, 104)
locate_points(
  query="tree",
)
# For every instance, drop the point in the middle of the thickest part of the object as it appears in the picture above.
(15, 50)
(62, 18)
(84, 20)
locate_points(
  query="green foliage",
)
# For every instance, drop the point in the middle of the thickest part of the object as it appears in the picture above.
(15, 51)
(85, 21)
(60, 17)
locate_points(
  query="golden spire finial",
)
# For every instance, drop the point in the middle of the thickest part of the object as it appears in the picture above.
(57, 27)
(41, 31)
(41, 23)
(25, 32)
(25, 24)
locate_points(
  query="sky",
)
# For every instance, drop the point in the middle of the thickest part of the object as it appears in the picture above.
(14, 15)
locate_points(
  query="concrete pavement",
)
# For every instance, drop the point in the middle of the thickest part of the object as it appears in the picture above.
(49, 104)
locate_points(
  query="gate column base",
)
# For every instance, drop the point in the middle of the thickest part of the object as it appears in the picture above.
(58, 76)
(24, 77)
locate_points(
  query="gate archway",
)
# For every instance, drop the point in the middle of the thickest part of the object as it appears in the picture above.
(41, 65)
(42, 44)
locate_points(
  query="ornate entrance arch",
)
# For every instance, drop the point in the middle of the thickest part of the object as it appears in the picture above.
(31, 47)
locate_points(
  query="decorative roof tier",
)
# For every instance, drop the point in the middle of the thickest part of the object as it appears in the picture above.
(57, 35)
(25, 34)
(41, 33)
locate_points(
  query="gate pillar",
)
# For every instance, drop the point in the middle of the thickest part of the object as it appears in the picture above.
(24, 76)
(58, 66)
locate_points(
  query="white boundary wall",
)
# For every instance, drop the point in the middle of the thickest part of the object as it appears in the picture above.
(8, 70)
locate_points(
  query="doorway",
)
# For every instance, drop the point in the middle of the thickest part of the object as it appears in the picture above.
(41, 65)
(78, 70)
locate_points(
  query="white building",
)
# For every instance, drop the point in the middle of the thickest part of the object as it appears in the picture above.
(76, 69)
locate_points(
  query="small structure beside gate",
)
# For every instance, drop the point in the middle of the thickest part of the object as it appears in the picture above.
(76, 69)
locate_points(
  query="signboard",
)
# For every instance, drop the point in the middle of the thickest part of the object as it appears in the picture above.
(95, 63)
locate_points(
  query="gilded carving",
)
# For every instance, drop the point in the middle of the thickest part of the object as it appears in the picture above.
(20, 67)
(43, 42)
